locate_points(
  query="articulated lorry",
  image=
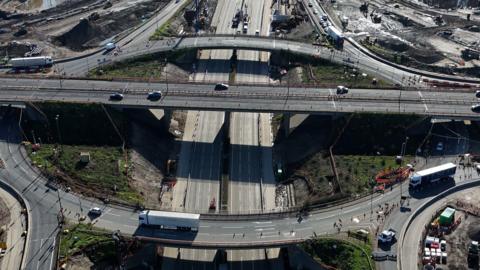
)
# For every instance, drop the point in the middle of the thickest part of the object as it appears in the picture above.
(169, 220)
(431, 175)
(31, 62)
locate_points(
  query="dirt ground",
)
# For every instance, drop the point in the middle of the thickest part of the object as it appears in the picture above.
(4, 220)
(467, 231)
(149, 153)
(79, 262)
(415, 30)
(73, 26)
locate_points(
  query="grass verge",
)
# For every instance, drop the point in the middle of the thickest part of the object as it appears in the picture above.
(325, 72)
(106, 172)
(82, 236)
(355, 173)
(339, 254)
(166, 29)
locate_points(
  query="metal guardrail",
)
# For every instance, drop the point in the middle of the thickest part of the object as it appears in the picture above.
(24, 205)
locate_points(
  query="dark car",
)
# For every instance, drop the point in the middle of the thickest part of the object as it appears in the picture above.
(221, 86)
(476, 108)
(154, 96)
(341, 90)
(116, 97)
(477, 93)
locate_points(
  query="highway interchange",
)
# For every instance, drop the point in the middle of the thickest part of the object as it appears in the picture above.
(248, 99)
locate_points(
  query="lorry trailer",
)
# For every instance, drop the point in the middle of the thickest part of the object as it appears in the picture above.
(31, 62)
(169, 220)
(335, 35)
(432, 175)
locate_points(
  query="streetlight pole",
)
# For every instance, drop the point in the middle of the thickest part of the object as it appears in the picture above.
(166, 73)
(57, 117)
(404, 146)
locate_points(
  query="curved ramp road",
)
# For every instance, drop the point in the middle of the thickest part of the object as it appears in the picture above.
(350, 56)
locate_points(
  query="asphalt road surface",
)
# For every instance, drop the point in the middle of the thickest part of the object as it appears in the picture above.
(447, 104)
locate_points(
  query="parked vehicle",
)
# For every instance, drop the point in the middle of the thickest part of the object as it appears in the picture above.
(31, 62)
(432, 175)
(169, 220)
(221, 86)
(477, 93)
(154, 96)
(116, 97)
(439, 146)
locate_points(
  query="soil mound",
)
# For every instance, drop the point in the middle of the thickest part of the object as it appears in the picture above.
(474, 231)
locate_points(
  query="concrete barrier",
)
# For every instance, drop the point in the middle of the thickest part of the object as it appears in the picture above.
(24, 205)
(425, 205)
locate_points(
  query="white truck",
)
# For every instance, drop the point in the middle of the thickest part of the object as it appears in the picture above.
(335, 35)
(432, 175)
(169, 220)
(31, 62)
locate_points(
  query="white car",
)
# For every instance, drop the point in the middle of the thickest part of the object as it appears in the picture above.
(387, 236)
(440, 146)
(95, 211)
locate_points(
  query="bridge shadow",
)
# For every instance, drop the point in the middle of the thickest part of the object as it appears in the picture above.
(254, 67)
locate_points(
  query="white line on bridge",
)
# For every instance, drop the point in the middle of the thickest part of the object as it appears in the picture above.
(233, 227)
(423, 100)
(333, 101)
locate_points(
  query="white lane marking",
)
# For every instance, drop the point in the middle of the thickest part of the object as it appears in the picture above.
(265, 229)
(233, 227)
(51, 253)
(423, 100)
(202, 233)
(204, 226)
(303, 229)
(333, 101)
(263, 222)
(108, 213)
(326, 217)
(264, 226)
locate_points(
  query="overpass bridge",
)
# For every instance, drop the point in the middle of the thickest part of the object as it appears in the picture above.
(245, 98)
(351, 55)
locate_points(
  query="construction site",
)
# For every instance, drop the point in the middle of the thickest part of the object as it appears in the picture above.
(441, 36)
(67, 28)
(451, 239)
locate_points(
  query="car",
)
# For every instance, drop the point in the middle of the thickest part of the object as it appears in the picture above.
(315, 12)
(310, 4)
(387, 236)
(477, 93)
(154, 96)
(324, 17)
(221, 86)
(96, 211)
(116, 96)
(342, 90)
(439, 146)
(476, 108)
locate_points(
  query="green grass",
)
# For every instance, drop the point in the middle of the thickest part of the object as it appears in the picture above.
(104, 171)
(339, 254)
(81, 236)
(355, 173)
(332, 73)
(166, 29)
(151, 68)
